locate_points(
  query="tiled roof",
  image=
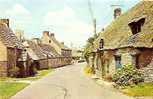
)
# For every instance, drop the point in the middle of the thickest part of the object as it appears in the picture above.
(49, 50)
(35, 51)
(8, 38)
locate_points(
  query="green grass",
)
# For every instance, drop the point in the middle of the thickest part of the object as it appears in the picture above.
(8, 89)
(10, 86)
(39, 75)
(143, 89)
(88, 70)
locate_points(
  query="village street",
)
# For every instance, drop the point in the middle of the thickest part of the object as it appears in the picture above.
(68, 83)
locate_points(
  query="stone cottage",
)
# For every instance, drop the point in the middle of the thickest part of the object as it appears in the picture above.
(127, 40)
(36, 54)
(61, 49)
(10, 50)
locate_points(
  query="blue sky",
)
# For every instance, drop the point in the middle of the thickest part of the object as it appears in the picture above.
(70, 20)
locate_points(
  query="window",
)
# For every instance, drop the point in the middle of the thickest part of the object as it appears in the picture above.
(101, 44)
(118, 61)
(136, 25)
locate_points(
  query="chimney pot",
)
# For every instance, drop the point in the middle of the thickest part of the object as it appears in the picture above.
(52, 34)
(45, 33)
(117, 12)
(6, 21)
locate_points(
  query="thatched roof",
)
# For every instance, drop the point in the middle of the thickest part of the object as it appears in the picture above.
(8, 38)
(118, 33)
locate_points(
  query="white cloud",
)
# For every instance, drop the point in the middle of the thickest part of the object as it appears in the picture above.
(18, 9)
(68, 25)
(19, 15)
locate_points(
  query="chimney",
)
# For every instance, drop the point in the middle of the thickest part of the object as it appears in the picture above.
(45, 33)
(52, 35)
(6, 21)
(117, 12)
(36, 40)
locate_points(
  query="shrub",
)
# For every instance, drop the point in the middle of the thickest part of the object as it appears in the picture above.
(13, 72)
(127, 75)
(88, 70)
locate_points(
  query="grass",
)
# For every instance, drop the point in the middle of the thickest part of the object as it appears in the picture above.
(10, 86)
(39, 75)
(88, 70)
(142, 89)
(8, 89)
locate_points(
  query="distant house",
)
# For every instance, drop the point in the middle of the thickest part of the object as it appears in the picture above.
(49, 38)
(10, 50)
(61, 49)
(127, 40)
(36, 54)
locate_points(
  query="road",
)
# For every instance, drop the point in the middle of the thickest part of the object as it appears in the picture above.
(68, 83)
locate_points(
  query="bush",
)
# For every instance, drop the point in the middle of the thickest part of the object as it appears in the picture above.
(88, 70)
(13, 72)
(128, 75)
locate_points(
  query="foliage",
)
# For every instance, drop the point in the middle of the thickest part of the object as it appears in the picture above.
(142, 89)
(8, 89)
(88, 70)
(88, 48)
(13, 72)
(127, 75)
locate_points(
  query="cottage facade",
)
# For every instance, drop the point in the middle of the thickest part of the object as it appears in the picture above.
(10, 50)
(127, 40)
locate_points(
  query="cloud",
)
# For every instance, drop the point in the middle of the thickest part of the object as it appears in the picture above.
(18, 9)
(20, 16)
(68, 25)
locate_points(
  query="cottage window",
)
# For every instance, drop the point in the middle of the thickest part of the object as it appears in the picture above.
(118, 61)
(136, 25)
(101, 44)
(49, 41)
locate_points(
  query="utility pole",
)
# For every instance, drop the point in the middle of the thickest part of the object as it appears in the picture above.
(93, 18)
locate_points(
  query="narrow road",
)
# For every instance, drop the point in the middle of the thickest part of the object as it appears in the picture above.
(68, 83)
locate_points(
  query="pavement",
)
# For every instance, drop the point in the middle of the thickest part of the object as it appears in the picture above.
(68, 82)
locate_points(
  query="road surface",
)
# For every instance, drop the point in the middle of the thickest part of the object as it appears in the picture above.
(68, 83)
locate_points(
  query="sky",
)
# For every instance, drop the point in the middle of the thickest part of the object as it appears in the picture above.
(70, 20)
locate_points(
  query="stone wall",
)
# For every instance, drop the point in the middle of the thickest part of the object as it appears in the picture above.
(145, 57)
(43, 64)
(59, 61)
(3, 68)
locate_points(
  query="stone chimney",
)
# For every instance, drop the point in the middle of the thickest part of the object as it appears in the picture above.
(45, 33)
(52, 34)
(6, 21)
(36, 40)
(117, 12)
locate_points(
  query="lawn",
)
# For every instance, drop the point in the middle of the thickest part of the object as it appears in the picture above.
(8, 89)
(39, 75)
(10, 86)
(143, 89)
